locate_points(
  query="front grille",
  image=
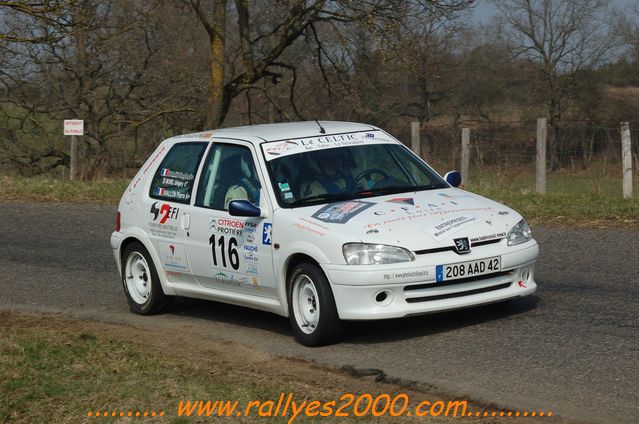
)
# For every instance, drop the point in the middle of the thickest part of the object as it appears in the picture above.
(457, 281)
(457, 294)
(452, 248)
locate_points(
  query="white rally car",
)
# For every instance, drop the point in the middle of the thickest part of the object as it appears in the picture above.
(317, 221)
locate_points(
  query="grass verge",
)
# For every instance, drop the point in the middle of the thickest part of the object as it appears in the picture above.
(572, 199)
(104, 192)
(59, 370)
(61, 376)
(581, 200)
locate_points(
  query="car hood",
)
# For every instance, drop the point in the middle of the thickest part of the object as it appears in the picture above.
(415, 220)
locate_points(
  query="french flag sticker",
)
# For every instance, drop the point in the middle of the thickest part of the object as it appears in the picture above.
(160, 191)
(165, 172)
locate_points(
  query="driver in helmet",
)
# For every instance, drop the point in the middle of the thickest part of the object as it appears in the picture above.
(333, 176)
(246, 186)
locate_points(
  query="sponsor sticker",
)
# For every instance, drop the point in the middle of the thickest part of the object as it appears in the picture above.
(267, 234)
(164, 192)
(277, 149)
(173, 257)
(488, 237)
(223, 226)
(341, 212)
(450, 225)
(176, 174)
(415, 275)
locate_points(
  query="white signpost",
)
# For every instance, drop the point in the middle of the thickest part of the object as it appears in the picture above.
(74, 128)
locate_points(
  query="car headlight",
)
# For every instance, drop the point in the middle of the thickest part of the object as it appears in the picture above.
(369, 254)
(520, 233)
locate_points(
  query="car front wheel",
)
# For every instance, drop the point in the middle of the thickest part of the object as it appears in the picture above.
(141, 282)
(312, 309)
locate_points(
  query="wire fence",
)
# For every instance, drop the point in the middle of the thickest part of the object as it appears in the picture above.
(587, 157)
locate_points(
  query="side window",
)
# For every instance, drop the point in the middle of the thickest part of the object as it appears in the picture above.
(228, 174)
(174, 179)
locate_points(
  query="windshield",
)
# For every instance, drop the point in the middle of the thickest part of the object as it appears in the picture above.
(351, 172)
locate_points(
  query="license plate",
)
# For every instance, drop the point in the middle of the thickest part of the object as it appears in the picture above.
(468, 269)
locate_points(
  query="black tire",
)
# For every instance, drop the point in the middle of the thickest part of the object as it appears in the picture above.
(156, 301)
(328, 327)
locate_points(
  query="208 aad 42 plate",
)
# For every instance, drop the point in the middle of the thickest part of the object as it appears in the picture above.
(468, 269)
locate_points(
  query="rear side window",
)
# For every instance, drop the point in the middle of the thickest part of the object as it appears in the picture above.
(174, 179)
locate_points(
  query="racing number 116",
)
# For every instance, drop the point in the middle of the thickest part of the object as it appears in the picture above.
(234, 257)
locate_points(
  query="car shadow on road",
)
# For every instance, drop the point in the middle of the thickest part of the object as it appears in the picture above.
(364, 332)
(358, 332)
(231, 314)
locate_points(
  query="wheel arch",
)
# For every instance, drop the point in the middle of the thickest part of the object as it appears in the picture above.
(138, 236)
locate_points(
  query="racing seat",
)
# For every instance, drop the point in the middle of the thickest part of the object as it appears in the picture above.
(228, 172)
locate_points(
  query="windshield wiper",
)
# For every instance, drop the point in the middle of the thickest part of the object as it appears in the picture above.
(324, 196)
(390, 190)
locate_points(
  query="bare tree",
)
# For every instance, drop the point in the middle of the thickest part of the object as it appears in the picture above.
(263, 44)
(564, 38)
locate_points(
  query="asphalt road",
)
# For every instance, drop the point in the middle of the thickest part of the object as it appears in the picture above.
(572, 348)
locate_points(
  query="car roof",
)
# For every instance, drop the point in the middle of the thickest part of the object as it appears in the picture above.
(263, 133)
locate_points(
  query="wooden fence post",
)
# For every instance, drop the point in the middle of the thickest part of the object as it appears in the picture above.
(415, 141)
(542, 132)
(626, 160)
(465, 156)
(73, 158)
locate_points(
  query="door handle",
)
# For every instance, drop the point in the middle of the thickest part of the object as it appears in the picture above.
(186, 221)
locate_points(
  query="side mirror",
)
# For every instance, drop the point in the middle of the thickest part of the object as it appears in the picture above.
(453, 178)
(243, 208)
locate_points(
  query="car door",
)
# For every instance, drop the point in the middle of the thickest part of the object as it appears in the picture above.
(227, 252)
(170, 194)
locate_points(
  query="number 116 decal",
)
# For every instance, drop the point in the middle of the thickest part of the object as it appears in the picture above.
(231, 251)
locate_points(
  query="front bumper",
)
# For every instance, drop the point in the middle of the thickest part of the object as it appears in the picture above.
(411, 288)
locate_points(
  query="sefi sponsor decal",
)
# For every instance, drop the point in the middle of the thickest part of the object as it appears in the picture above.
(173, 256)
(164, 212)
(450, 226)
(277, 149)
(341, 212)
(163, 220)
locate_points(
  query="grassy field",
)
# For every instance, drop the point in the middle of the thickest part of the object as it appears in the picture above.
(583, 200)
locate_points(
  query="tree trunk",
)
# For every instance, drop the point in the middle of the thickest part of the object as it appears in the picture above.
(554, 118)
(81, 58)
(215, 115)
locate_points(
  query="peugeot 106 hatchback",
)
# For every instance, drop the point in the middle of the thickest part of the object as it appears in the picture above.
(317, 221)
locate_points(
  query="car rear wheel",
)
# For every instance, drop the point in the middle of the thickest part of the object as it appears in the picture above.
(311, 306)
(141, 282)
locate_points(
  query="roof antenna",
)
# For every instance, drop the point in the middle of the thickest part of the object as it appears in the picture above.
(322, 130)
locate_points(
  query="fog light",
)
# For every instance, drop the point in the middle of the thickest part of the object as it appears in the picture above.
(525, 274)
(384, 297)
